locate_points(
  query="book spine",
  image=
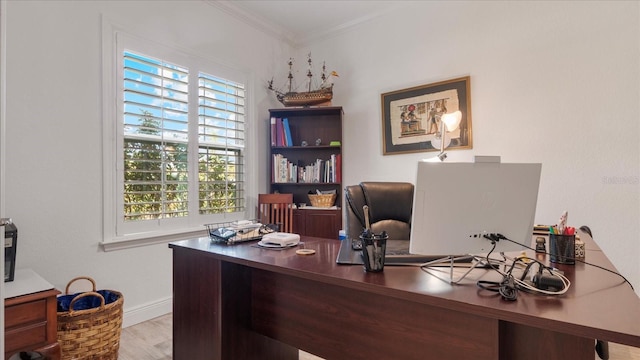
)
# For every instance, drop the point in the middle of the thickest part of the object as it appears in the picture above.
(279, 132)
(283, 170)
(339, 168)
(332, 167)
(328, 171)
(287, 132)
(273, 131)
(320, 171)
(276, 166)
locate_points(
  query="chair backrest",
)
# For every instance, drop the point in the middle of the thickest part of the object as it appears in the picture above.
(276, 209)
(390, 206)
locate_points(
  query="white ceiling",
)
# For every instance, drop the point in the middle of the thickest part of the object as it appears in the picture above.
(301, 21)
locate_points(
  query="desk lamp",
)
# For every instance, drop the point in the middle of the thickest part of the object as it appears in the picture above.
(448, 122)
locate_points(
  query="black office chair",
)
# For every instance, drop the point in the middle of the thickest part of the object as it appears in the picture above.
(390, 205)
(602, 347)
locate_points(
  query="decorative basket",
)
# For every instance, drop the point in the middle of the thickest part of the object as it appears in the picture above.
(92, 333)
(323, 200)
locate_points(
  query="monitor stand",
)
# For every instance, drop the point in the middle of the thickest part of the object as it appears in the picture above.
(475, 261)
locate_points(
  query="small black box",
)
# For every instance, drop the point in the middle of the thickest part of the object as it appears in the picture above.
(10, 247)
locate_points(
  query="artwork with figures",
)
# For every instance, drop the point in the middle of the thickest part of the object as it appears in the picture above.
(412, 117)
(421, 117)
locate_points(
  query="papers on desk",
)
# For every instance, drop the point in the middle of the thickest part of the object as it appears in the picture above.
(237, 231)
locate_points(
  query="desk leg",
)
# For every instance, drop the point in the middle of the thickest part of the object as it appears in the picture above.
(524, 342)
(212, 309)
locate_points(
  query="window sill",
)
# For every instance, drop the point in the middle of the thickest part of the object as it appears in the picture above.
(146, 239)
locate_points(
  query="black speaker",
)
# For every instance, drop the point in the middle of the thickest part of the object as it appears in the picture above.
(10, 247)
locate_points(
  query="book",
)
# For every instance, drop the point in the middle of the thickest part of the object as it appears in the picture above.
(283, 170)
(332, 168)
(279, 132)
(276, 168)
(273, 130)
(287, 132)
(338, 170)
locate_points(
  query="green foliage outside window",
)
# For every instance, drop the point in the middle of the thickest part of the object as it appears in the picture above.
(217, 183)
(156, 177)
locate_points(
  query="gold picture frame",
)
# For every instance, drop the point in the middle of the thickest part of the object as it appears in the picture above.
(411, 117)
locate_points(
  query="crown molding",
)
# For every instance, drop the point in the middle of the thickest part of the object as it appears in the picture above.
(343, 27)
(300, 39)
(253, 20)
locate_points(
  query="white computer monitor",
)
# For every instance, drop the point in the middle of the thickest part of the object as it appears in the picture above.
(455, 203)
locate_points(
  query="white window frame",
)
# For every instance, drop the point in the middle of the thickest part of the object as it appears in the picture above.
(117, 235)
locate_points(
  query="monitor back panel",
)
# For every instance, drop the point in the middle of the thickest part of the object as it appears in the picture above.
(455, 203)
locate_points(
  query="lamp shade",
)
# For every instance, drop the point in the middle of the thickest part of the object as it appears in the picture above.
(452, 120)
(448, 122)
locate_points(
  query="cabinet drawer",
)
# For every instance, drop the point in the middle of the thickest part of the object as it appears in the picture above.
(29, 336)
(317, 223)
(26, 313)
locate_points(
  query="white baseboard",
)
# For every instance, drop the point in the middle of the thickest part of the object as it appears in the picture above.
(147, 312)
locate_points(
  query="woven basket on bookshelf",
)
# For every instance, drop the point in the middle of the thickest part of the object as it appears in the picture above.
(323, 200)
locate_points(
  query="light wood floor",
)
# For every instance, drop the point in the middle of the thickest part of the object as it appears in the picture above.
(151, 340)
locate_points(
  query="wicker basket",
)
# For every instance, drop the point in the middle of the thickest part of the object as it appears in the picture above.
(322, 200)
(92, 333)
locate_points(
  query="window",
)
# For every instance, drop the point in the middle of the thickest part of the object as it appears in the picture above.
(156, 137)
(221, 139)
(179, 150)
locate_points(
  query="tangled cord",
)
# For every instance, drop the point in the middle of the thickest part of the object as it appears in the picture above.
(506, 288)
(509, 285)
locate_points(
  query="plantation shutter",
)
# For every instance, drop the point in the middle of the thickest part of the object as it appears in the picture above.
(155, 139)
(221, 141)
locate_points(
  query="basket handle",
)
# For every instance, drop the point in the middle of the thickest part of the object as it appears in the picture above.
(85, 294)
(93, 283)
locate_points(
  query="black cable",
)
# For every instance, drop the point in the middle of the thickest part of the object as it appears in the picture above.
(502, 237)
(506, 288)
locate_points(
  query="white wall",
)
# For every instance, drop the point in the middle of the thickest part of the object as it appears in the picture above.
(54, 131)
(546, 77)
(3, 53)
(551, 82)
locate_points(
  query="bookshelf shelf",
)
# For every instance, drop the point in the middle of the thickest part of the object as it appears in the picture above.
(306, 148)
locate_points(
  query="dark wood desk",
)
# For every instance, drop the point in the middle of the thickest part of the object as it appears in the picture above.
(243, 302)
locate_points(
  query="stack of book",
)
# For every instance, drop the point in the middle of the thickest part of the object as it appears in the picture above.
(280, 132)
(320, 171)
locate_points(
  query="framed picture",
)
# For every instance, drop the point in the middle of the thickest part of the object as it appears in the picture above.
(411, 117)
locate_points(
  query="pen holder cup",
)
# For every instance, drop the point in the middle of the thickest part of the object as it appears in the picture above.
(562, 249)
(374, 247)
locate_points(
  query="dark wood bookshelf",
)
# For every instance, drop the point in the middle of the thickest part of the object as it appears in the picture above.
(309, 124)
